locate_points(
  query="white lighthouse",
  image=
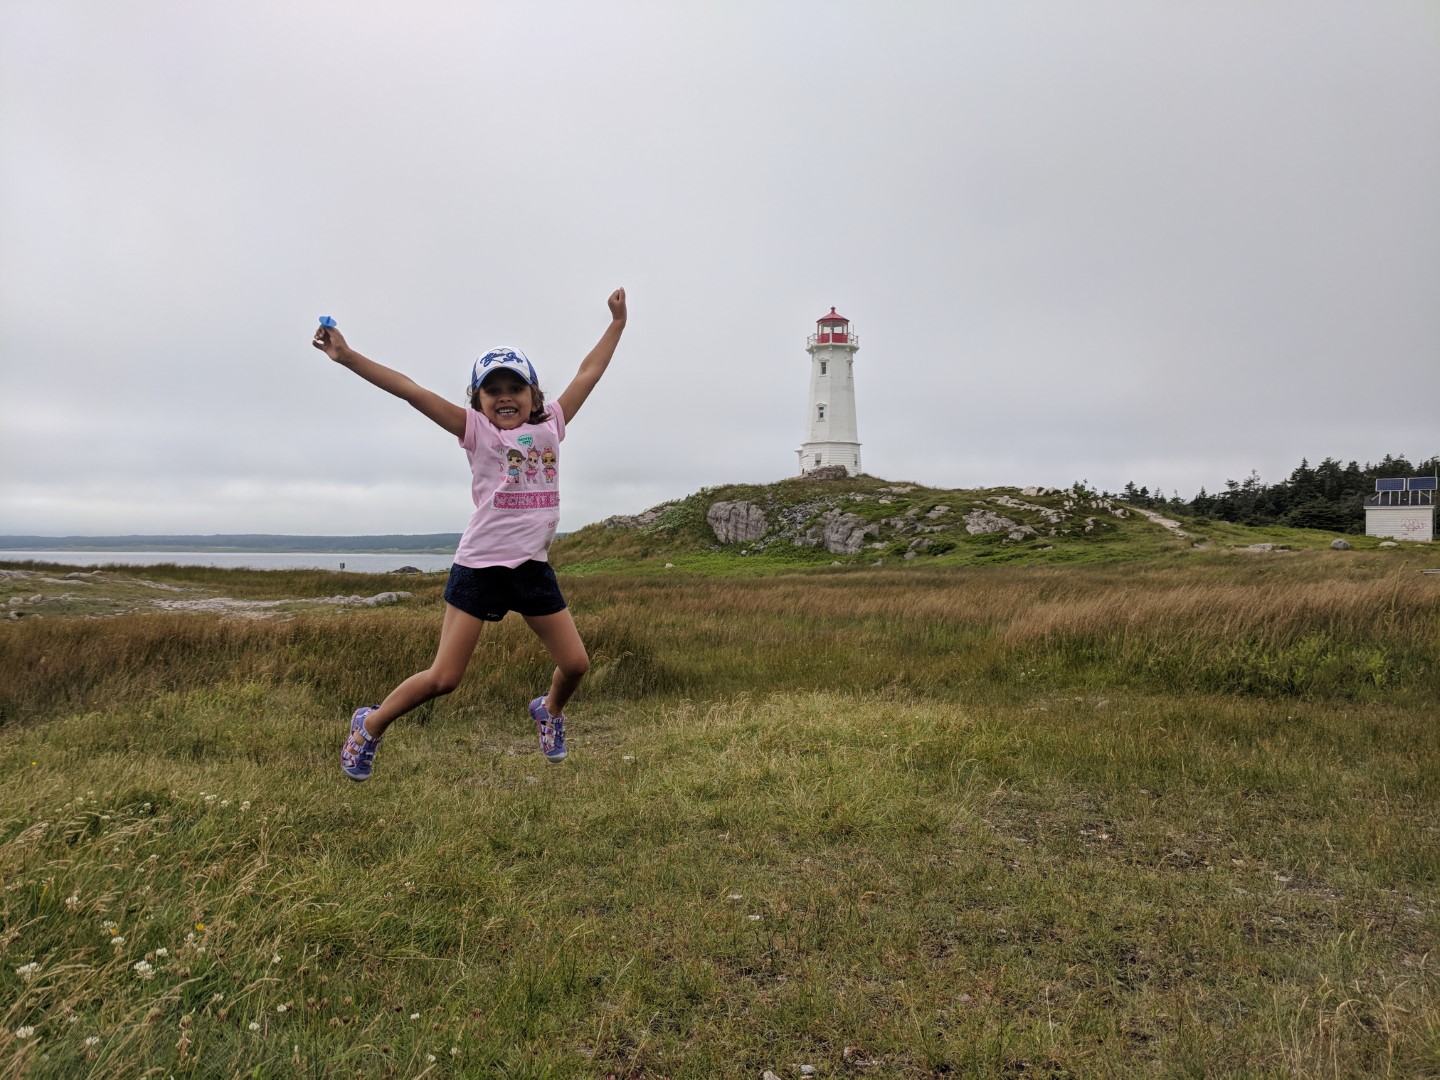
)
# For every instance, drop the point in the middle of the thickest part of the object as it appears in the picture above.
(833, 439)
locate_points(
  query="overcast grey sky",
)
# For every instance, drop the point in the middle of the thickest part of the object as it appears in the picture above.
(1167, 242)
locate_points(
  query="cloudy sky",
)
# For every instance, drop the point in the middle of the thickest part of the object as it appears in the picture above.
(1109, 241)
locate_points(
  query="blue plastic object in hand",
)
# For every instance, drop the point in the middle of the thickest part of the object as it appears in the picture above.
(326, 320)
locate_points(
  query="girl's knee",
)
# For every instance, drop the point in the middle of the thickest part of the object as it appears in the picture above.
(575, 667)
(443, 681)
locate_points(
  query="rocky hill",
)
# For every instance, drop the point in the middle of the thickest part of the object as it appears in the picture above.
(819, 520)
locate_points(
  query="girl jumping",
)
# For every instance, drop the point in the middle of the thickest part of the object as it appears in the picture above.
(502, 563)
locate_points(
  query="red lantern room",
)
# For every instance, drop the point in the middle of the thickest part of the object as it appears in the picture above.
(832, 329)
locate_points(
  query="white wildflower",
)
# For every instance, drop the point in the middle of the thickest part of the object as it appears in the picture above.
(254, 1025)
(118, 939)
(245, 805)
(275, 959)
(414, 1016)
(285, 1007)
(430, 1058)
(143, 969)
(72, 901)
(92, 1040)
(224, 802)
(28, 971)
(209, 798)
(24, 1031)
(109, 924)
(162, 951)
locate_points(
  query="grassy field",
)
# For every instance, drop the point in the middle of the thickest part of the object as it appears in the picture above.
(1171, 817)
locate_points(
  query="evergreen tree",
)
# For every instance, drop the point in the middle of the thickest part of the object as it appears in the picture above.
(1326, 496)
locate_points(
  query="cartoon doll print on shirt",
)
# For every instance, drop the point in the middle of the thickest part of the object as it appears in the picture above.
(531, 476)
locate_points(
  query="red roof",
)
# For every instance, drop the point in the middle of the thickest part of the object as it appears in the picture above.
(832, 317)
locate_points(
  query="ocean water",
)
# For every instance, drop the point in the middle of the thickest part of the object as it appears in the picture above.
(365, 563)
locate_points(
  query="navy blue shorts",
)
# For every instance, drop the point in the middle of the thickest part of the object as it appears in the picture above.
(488, 592)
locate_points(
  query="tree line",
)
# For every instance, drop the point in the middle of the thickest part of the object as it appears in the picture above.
(1325, 496)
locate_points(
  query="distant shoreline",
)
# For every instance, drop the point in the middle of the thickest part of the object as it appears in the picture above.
(243, 544)
(201, 549)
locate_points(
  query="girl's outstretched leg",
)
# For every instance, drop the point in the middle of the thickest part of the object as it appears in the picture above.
(458, 635)
(562, 641)
(558, 634)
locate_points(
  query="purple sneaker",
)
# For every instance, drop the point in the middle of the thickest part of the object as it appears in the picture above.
(357, 757)
(552, 730)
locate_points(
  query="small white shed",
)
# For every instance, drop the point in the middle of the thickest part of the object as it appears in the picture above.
(1402, 508)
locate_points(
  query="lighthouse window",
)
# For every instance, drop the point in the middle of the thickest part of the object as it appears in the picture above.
(821, 410)
(822, 367)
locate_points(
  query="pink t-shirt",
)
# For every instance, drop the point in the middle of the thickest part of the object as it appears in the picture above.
(515, 482)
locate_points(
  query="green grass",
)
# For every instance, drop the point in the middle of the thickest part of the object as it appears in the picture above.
(1171, 816)
(1088, 530)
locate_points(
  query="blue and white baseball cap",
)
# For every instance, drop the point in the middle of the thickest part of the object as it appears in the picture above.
(503, 359)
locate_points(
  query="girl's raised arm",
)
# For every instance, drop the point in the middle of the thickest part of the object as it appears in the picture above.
(597, 360)
(447, 414)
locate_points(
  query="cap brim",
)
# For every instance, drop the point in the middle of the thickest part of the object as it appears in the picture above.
(507, 370)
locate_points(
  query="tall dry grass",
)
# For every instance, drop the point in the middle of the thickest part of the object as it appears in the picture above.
(1247, 630)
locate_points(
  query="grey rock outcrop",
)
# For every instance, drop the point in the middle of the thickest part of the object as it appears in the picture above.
(637, 521)
(1340, 545)
(987, 521)
(841, 533)
(736, 522)
(828, 472)
(1051, 515)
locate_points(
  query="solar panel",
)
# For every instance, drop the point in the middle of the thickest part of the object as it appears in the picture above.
(1396, 483)
(1422, 483)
